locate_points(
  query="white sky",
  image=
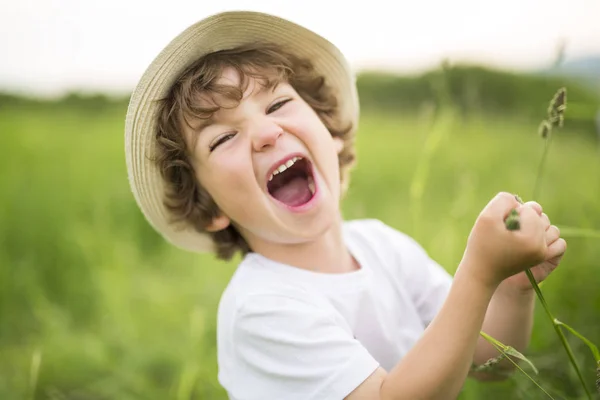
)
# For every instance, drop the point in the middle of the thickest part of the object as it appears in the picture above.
(50, 46)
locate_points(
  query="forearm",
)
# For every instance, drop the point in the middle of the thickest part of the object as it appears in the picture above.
(437, 366)
(509, 319)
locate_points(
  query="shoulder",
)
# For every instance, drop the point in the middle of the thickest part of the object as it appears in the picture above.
(396, 251)
(278, 340)
(260, 301)
(381, 236)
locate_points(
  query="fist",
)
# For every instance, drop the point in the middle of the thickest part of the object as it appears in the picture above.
(493, 252)
(556, 249)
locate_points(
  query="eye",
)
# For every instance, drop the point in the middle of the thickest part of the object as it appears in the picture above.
(277, 105)
(220, 140)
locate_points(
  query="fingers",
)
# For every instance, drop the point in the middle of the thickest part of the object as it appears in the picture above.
(530, 213)
(502, 204)
(545, 220)
(531, 224)
(535, 205)
(556, 250)
(552, 234)
(544, 217)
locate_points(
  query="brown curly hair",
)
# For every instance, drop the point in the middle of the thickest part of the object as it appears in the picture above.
(185, 198)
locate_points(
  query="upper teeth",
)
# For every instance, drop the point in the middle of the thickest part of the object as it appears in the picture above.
(284, 166)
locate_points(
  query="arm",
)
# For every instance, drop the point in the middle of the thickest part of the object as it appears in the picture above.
(437, 366)
(510, 314)
(509, 319)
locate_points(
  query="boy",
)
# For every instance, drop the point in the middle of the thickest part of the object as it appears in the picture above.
(239, 137)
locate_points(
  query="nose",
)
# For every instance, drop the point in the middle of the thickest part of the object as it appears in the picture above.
(265, 134)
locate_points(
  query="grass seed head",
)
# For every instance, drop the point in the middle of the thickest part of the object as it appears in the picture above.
(489, 364)
(544, 129)
(512, 221)
(557, 108)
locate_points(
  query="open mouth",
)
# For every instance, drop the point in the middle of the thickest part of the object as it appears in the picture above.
(292, 183)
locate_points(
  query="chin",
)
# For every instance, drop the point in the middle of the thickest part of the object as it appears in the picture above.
(316, 225)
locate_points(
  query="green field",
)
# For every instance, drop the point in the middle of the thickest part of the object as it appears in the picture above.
(95, 305)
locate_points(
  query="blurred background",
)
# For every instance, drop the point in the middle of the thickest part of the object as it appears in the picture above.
(95, 305)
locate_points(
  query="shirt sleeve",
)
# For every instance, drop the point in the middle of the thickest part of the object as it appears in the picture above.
(426, 281)
(290, 348)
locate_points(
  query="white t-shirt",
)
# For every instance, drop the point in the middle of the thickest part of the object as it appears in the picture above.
(288, 333)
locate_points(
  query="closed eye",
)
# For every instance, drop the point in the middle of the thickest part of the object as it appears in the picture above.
(220, 140)
(277, 105)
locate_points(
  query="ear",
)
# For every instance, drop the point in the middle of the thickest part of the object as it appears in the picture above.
(338, 144)
(218, 223)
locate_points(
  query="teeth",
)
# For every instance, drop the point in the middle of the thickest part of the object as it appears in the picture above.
(284, 166)
(311, 185)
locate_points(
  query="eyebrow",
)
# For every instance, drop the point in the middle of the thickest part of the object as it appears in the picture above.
(206, 122)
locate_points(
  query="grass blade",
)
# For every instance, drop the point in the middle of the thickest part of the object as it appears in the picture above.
(501, 348)
(513, 352)
(559, 332)
(508, 350)
(585, 340)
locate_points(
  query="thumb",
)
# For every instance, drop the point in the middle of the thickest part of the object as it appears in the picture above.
(502, 204)
(535, 205)
(531, 223)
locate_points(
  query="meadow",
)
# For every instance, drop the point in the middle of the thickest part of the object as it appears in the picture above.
(95, 305)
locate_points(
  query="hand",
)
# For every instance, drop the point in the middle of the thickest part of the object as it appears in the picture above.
(556, 249)
(495, 253)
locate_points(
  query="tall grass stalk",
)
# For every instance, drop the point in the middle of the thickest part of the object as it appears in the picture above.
(555, 119)
(538, 177)
(559, 332)
(593, 348)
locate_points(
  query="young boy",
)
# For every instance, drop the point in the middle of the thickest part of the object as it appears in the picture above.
(239, 137)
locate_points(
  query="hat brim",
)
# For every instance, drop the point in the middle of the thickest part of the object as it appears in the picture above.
(218, 32)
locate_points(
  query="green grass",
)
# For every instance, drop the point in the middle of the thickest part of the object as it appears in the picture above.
(111, 311)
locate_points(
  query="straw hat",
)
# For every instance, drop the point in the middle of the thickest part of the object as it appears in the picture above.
(217, 32)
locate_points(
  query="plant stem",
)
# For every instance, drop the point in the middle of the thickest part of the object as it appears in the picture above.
(559, 332)
(538, 178)
(592, 346)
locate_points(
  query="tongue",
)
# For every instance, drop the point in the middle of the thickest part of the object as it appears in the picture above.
(294, 193)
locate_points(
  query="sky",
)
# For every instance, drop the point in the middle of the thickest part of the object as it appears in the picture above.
(49, 47)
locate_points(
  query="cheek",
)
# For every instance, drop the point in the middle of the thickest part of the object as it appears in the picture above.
(317, 134)
(226, 176)
(311, 129)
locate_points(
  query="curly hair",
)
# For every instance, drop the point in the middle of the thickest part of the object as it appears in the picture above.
(185, 198)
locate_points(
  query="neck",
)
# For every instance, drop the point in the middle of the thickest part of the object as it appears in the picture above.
(327, 254)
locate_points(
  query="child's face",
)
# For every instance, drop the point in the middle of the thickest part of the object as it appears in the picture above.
(235, 156)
